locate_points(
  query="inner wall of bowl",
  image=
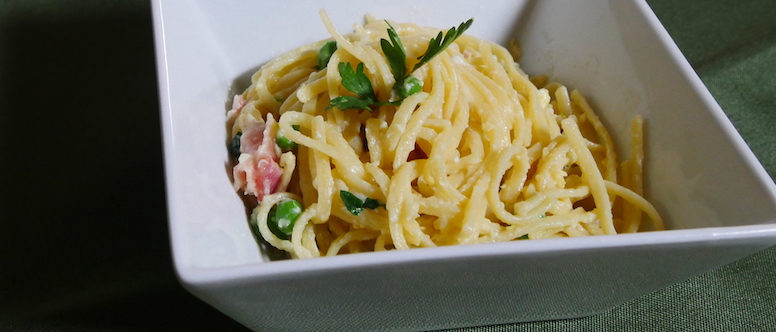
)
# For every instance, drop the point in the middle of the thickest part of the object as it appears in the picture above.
(698, 171)
(604, 48)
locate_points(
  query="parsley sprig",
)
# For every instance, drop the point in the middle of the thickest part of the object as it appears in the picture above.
(437, 45)
(406, 84)
(358, 83)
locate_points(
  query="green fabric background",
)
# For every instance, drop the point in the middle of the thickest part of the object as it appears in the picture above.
(83, 230)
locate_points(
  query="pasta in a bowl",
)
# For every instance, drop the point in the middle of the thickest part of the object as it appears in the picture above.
(462, 148)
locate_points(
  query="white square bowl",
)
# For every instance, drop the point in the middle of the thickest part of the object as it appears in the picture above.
(719, 203)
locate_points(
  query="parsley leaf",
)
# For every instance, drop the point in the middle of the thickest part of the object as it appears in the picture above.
(370, 203)
(355, 205)
(437, 45)
(324, 54)
(394, 53)
(357, 82)
(349, 103)
(234, 147)
(524, 237)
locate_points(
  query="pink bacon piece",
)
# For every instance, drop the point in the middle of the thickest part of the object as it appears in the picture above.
(257, 171)
(237, 105)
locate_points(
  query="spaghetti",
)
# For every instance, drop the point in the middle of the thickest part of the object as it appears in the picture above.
(475, 152)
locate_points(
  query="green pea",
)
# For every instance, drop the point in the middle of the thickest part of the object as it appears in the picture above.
(284, 143)
(283, 216)
(411, 86)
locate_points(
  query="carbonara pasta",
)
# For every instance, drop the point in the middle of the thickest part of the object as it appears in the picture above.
(463, 148)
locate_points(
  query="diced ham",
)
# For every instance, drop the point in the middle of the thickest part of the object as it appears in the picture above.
(257, 171)
(252, 136)
(237, 105)
(268, 146)
(238, 102)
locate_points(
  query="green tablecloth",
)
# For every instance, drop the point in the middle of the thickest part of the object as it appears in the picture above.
(83, 230)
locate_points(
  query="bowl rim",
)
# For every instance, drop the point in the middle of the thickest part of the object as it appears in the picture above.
(192, 275)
